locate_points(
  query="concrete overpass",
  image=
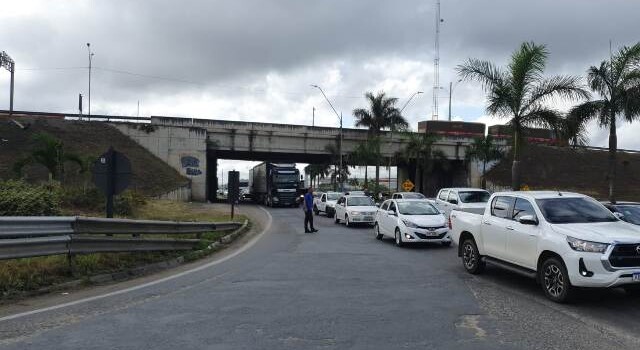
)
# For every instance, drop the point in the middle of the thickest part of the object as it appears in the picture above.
(193, 146)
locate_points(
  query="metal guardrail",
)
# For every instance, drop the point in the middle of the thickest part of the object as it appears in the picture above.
(26, 236)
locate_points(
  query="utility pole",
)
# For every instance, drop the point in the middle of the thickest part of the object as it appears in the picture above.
(436, 64)
(138, 114)
(90, 59)
(313, 120)
(450, 92)
(340, 143)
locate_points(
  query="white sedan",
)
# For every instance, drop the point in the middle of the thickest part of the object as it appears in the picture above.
(355, 209)
(411, 221)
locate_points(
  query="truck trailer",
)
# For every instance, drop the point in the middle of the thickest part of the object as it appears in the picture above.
(275, 184)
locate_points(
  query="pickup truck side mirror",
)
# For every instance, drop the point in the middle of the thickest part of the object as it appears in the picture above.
(391, 212)
(528, 220)
(618, 215)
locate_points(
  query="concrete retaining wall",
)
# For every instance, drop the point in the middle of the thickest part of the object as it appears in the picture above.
(184, 149)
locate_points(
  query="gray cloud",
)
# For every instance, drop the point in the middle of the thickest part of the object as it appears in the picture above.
(255, 59)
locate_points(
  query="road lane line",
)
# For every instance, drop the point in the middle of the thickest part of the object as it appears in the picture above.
(148, 284)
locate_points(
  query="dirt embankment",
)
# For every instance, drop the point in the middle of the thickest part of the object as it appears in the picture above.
(151, 176)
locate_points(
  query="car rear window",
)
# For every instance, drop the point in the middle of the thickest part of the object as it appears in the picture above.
(474, 196)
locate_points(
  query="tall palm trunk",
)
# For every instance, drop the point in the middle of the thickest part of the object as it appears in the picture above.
(515, 167)
(366, 169)
(484, 179)
(613, 148)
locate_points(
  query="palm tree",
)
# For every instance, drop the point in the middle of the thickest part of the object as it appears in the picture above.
(365, 154)
(519, 92)
(336, 174)
(49, 152)
(573, 130)
(316, 172)
(382, 114)
(617, 82)
(419, 149)
(483, 149)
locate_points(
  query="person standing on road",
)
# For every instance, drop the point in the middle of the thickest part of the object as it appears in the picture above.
(308, 211)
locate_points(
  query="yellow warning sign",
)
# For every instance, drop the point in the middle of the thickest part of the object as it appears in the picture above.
(407, 185)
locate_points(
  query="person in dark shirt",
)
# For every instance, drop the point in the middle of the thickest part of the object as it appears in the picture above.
(308, 211)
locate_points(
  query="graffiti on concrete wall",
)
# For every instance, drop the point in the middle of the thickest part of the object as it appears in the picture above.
(191, 165)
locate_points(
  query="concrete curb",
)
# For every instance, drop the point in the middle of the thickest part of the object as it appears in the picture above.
(144, 270)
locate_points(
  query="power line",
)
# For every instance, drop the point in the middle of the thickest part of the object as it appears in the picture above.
(191, 82)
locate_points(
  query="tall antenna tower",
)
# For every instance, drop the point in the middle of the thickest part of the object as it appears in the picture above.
(436, 65)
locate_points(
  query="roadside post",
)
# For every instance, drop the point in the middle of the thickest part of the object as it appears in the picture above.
(233, 189)
(111, 174)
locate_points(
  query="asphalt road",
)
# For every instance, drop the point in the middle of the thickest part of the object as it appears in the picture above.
(336, 289)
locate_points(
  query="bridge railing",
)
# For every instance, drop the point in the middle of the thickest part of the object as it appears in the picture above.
(22, 237)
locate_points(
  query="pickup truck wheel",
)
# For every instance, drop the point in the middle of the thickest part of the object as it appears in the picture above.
(555, 280)
(330, 213)
(471, 257)
(398, 236)
(376, 229)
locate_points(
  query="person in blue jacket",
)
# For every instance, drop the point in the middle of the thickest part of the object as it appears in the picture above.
(308, 211)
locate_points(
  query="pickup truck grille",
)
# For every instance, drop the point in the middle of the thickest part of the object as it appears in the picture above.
(625, 255)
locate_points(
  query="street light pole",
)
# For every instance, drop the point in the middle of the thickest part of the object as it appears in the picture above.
(341, 133)
(409, 100)
(90, 59)
(451, 93)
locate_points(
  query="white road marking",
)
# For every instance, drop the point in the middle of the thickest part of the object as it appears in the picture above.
(149, 284)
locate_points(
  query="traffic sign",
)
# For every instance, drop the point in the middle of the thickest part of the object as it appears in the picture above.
(407, 185)
(111, 174)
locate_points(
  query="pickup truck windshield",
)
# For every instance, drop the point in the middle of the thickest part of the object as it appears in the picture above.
(573, 211)
(474, 196)
(631, 213)
(333, 196)
(359, 201)
(417, 208)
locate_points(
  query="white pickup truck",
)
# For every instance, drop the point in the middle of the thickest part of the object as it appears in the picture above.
(326, 203)
(564, 240)
(465, 199)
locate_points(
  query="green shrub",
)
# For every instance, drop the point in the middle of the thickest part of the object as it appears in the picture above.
(127, 202)
(90, 199)
(18, 198)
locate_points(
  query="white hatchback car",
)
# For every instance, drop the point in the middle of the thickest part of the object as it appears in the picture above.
(355, 210)
(411, 221)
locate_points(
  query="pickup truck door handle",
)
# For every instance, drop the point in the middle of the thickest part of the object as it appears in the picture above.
(509, 228)
(486, 223)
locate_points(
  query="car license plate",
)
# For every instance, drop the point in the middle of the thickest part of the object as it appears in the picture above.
(368, 218)
(432, 233)
(636, 276)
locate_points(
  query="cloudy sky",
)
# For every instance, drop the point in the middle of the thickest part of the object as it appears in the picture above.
(255, 59)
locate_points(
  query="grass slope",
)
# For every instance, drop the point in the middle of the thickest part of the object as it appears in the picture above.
(578, 170)
(151, 176)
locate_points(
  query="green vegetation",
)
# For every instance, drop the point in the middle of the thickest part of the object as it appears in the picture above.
(366, 153)
(617, 82)
(520, 93)
(382, 114)
(18, 198)
(51, 153)
(420, 149)
(484, 150)
(34, 273)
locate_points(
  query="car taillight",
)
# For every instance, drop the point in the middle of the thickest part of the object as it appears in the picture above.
(450, 227)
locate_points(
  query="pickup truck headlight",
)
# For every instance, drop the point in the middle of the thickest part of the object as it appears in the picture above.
(409, 224)
(354, 213)
(586, 246)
